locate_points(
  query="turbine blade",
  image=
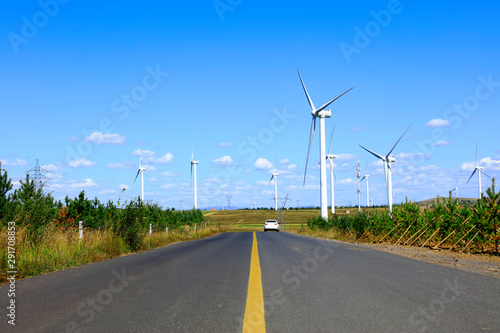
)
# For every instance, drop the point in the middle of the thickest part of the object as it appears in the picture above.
(476, 153)
(137, 175)
(270, 180)
(373, 153)
(313, 126)
(473, 172)
(331, 137)
(192, 154)
(305, 90)
(333, 100)
(484, 173)
(390, 151)
(191, 171)
(334, 176)
(362, 179)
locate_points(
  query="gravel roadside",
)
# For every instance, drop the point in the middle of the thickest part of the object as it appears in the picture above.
(476, 263)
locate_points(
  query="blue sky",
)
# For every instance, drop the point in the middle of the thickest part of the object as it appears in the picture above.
(89, 87)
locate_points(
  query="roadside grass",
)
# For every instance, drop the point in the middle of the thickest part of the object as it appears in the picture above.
(56, 249)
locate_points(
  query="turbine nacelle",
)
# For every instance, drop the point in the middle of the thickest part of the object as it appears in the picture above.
(322, 113)
(391, 159)
(331, 156)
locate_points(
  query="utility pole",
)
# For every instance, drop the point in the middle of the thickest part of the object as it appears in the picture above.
(358, 174)
(281, 218)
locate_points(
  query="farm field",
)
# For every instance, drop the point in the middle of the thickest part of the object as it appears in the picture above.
(253, 220)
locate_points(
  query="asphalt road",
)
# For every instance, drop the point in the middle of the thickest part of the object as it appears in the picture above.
(308, 286)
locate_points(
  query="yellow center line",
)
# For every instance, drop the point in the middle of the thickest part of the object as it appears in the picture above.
(254, 320)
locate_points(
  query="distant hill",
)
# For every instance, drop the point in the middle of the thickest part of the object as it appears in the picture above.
(220, 208)
(463, 201)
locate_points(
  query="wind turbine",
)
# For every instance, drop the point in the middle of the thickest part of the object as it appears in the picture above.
(320, 113)
(480, 170)
(193, 166)
(141, 170)
(330, 158)
(387, 159)
(367, 177)
(358, 175)
(275, 176)
(456, 189)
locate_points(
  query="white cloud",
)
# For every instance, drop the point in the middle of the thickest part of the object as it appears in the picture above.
(118, 165)
(441, 143)
(168, 186)
(149, 167)
(284, 161)
(489, 163)
(438, 122)
(75, 184)
(52, 168)
(224, 160)
(99, 138)
(168, 158)
(357, 129)
(111, 191)
(54, 176)
(292, 167)
(263, 164)
(87, 183)
(17, 162)
(149, 156)
(345, 181)
(413, 156)
(124, 187)
(346, 157)
(169, 174)
(143, 153)
(225, 145)
(81, 162)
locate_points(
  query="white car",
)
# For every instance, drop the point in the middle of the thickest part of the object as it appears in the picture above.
(271, 225)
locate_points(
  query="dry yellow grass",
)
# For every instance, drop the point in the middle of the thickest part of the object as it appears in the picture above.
(56, 249)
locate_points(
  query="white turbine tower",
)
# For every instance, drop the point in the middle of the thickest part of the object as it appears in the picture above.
(387, 159)
(367, 177)
(320, 113)
(193, 166)
(141, 170)
(275, 176)
(330, 158)
(358, 175)
(479, 172)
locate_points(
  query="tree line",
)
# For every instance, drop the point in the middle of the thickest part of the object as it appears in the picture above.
(37, 210)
